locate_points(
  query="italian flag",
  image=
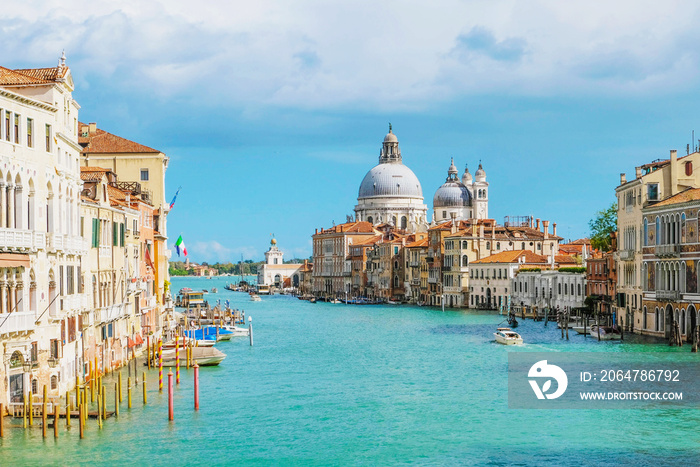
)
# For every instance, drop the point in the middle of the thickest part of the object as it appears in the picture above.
(180, 246)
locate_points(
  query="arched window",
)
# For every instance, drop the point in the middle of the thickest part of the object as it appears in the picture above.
(522, 246)
(370, 220)
(644, 318)
(404, 222)
(658, 231)
(465, 261)
(498, 245)
(559, 289)
(393, 220)
(488, 245)
(683, 239)
(54, 382)
(396, 281)
(35, 386)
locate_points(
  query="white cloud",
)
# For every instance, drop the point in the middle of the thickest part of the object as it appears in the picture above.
(363, 54)
(212, 251)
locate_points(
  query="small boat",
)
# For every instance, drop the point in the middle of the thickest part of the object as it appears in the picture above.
(334, 301)
(214, 290)
(605, 333)
(392, 302)
(512, 322)
(255, 298)
(506, 336)
(203, 356)
(312, 300)
(236, 331)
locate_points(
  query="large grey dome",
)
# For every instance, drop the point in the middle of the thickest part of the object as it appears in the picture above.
(452, 194)
(390, 180)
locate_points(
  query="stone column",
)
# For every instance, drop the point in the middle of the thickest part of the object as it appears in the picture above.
(3, 205)
(10, 206)
(12, 297)
(19, 292)
(19, 208)
(3, 295)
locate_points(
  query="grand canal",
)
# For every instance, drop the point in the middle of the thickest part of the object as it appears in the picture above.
(337, 384)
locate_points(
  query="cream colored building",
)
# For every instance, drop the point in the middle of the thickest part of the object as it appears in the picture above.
(43, 304)
(274, 272)
(140, 169)
(652, 183)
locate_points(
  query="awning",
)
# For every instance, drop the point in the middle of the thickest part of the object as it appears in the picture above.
(137, 340)
(14, 260)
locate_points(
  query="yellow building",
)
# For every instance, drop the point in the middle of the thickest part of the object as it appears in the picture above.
(141, 170)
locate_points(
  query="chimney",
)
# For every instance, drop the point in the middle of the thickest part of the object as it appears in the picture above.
(481, 231)
(537, 224)
(340, 227)
(638, 172)
(316, 233)
(674, 172)
(453, 215)
(623, 179)
(493, 231)
(93, 128)
(532, 225)
(545, 229)
(554, 229)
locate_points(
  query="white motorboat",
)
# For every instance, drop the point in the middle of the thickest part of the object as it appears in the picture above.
(255, 298)
(203, 356)
(605, 333)
(236, 331)
(506, 336)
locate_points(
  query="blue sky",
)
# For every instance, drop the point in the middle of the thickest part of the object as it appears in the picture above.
(273, 111)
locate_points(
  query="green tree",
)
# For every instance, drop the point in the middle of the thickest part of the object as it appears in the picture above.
(602, 225)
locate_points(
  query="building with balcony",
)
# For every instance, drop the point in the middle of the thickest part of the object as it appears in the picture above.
(670, 255)
(41, 248)
(331, 251)
(141, 171)
(652, 184)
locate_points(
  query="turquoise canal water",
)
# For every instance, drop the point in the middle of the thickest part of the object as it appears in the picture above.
(336, 384)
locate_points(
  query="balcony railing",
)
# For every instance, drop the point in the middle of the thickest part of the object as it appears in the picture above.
(626, 255)
(668, 250)
(17, 322)
(668, 295)
(109, 313)
(15, 239)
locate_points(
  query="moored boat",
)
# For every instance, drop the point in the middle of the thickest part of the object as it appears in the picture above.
(605, 333)
(203, 356)
(506, 336)
(255, 298)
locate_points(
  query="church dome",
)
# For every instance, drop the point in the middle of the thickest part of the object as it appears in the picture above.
(452, 193)
(390, 137)
(390, 180)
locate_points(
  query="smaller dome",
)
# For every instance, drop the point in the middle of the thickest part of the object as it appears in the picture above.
(480, 174)
(391, 138)
(466, 177)
(453, 168)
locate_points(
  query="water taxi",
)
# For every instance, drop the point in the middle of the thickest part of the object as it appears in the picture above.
(506, 336)
(605, 333)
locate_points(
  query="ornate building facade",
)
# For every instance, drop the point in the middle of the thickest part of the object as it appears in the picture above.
(390, 192)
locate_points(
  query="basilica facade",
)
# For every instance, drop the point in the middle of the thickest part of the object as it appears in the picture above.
(390, 193)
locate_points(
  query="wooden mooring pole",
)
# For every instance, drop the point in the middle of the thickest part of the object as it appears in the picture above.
(55, 421)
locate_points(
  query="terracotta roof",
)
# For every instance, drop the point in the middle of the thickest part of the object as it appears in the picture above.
(102, 142)
(513, 256)
(45, 74)
(92, 174)
(418, 243)
(691, 194)
(369, 242)
(29, 76)
(564, 259)
(350, 227)
(580, 241)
